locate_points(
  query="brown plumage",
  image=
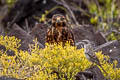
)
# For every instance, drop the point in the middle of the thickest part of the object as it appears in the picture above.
(59, 31)
(90, 54)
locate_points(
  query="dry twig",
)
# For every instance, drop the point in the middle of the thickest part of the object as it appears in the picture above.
(71, 13)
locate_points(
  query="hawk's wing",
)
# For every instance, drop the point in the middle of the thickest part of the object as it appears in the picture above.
(49, 36)
(68, 35)
(62, 34)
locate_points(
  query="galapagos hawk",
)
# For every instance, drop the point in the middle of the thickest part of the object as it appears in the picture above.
(59, 31)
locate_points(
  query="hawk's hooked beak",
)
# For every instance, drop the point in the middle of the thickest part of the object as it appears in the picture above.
(58, 22)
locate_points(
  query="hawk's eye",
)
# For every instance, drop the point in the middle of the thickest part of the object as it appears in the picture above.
(64, 24)
(54, 19)
(53, 24)
(62, 19)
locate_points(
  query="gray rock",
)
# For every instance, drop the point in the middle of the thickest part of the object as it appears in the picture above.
(111, 48)
(88, 32)
(39, 31)
(7, 78)
(93, 73)
(25, 38)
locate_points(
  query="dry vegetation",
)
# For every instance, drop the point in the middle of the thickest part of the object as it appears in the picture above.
(52, 62)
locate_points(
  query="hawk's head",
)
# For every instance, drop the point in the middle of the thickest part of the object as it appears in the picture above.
(58, 20)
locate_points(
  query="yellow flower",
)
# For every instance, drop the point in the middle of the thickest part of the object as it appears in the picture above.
(39, 64)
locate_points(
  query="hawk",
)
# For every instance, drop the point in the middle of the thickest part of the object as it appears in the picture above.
(59, 31)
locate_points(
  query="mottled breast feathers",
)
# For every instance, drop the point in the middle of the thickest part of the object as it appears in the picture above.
(59, 31)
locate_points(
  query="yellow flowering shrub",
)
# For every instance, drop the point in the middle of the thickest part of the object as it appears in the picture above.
(11, 43)
(51, 63)
(110, 68)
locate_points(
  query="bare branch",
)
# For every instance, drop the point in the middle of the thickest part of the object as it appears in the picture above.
(111, 31)
(72, 14)
(27, 25)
